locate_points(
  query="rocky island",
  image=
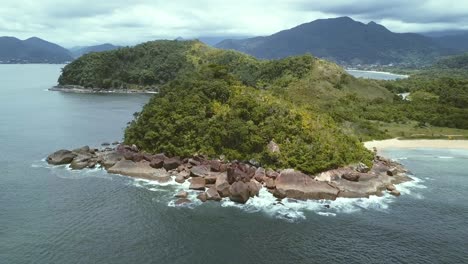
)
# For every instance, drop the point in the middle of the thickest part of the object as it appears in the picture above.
(231, 124)
(216, 179)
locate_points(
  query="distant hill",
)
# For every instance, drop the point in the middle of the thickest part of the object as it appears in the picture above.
(457, 42)
(32, 50)
(80, 51)
(342, 40)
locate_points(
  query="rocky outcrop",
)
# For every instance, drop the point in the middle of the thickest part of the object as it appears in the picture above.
(238, 180)
(140, 170)
(61, 157)
(295, 184)
(239, 192)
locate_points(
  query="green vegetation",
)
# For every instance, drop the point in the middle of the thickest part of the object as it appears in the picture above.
(217, 102)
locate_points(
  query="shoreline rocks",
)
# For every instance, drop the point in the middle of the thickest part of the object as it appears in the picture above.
(238, 181)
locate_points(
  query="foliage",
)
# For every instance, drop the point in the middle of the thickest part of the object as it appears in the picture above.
(211, 112)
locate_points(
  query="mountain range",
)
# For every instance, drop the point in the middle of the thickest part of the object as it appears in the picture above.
(31, 50)
(349, 42)
(342, 40)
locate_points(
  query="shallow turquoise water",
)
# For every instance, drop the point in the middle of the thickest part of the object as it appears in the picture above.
(53, 215)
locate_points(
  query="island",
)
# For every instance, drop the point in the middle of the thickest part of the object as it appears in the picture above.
(231, 124)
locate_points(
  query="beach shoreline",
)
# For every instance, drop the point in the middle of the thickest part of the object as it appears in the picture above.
(416, 143)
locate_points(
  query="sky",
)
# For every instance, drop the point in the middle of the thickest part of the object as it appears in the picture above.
(127, 22)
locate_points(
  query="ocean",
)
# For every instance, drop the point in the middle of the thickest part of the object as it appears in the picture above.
(54, 215)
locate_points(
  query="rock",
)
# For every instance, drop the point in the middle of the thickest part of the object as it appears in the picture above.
(361, 167)
(297, 185)
(254, 163)
(200, 171)
(137, 157)
(182, 201)
(92, 164)
(181, 194)
(237, 173)
(202, 197)
(110, 159)
(172, 163)
(273, 147)
(61, 157)
(211, 179)
(395, 193)
(147, 157)
(269, 183)
(212, 194)
(222, 185)
(157, 163)
(271, 174)
(105, 144)
(390, 187)
(80, 162)
(351, 176)
(82, 150)
(197, 183)
(134, 148)
(239, 192)
(115, 143)
(215, 165)
(260, 174)
(180, 179)
(254, 188)
(392, 172)
(184, 174)
(139, 170)
(194, 162)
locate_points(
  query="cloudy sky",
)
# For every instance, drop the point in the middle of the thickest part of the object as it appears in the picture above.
(123, 22)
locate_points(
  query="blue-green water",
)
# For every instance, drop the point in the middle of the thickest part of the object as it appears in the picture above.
(52, 215)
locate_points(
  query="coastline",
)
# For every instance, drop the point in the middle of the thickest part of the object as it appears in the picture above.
(382, 72)
(81, 89)
(416, 143)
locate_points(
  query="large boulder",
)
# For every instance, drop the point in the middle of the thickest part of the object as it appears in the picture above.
(197, 183)
(222, 185)
(139, 170)
(254, 188)
(181, 194)
(200, 171)
(260, 173)
(172, 163)
(82, 150)
(295, 184)
(351, 176)
(239, 192)
(61, 157)
(80, 162)
(212, 194)
(109, 159)
(157, 163)
(238, 172)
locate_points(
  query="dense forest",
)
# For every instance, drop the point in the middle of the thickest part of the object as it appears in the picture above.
(218, 102)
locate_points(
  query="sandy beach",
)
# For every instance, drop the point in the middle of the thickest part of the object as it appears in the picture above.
(418, 143)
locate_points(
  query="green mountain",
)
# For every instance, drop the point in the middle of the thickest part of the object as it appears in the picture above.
(32, 50)
(344, 41)
(219, 102)
(80, 51)
(457, 41)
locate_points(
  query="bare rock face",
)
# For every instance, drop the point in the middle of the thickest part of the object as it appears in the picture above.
(239, 192)
(212, 194)
(295, 184)
(222, 185)
(157, 163)
(269, 182)
(172, 163)
(254, 188)
(260, 173)
(109, 159)
(61, 157)
(80, 162)
(197, 183)
(139, 170)
(200, 171)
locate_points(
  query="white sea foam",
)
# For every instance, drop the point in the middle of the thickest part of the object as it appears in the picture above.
(445, 157)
